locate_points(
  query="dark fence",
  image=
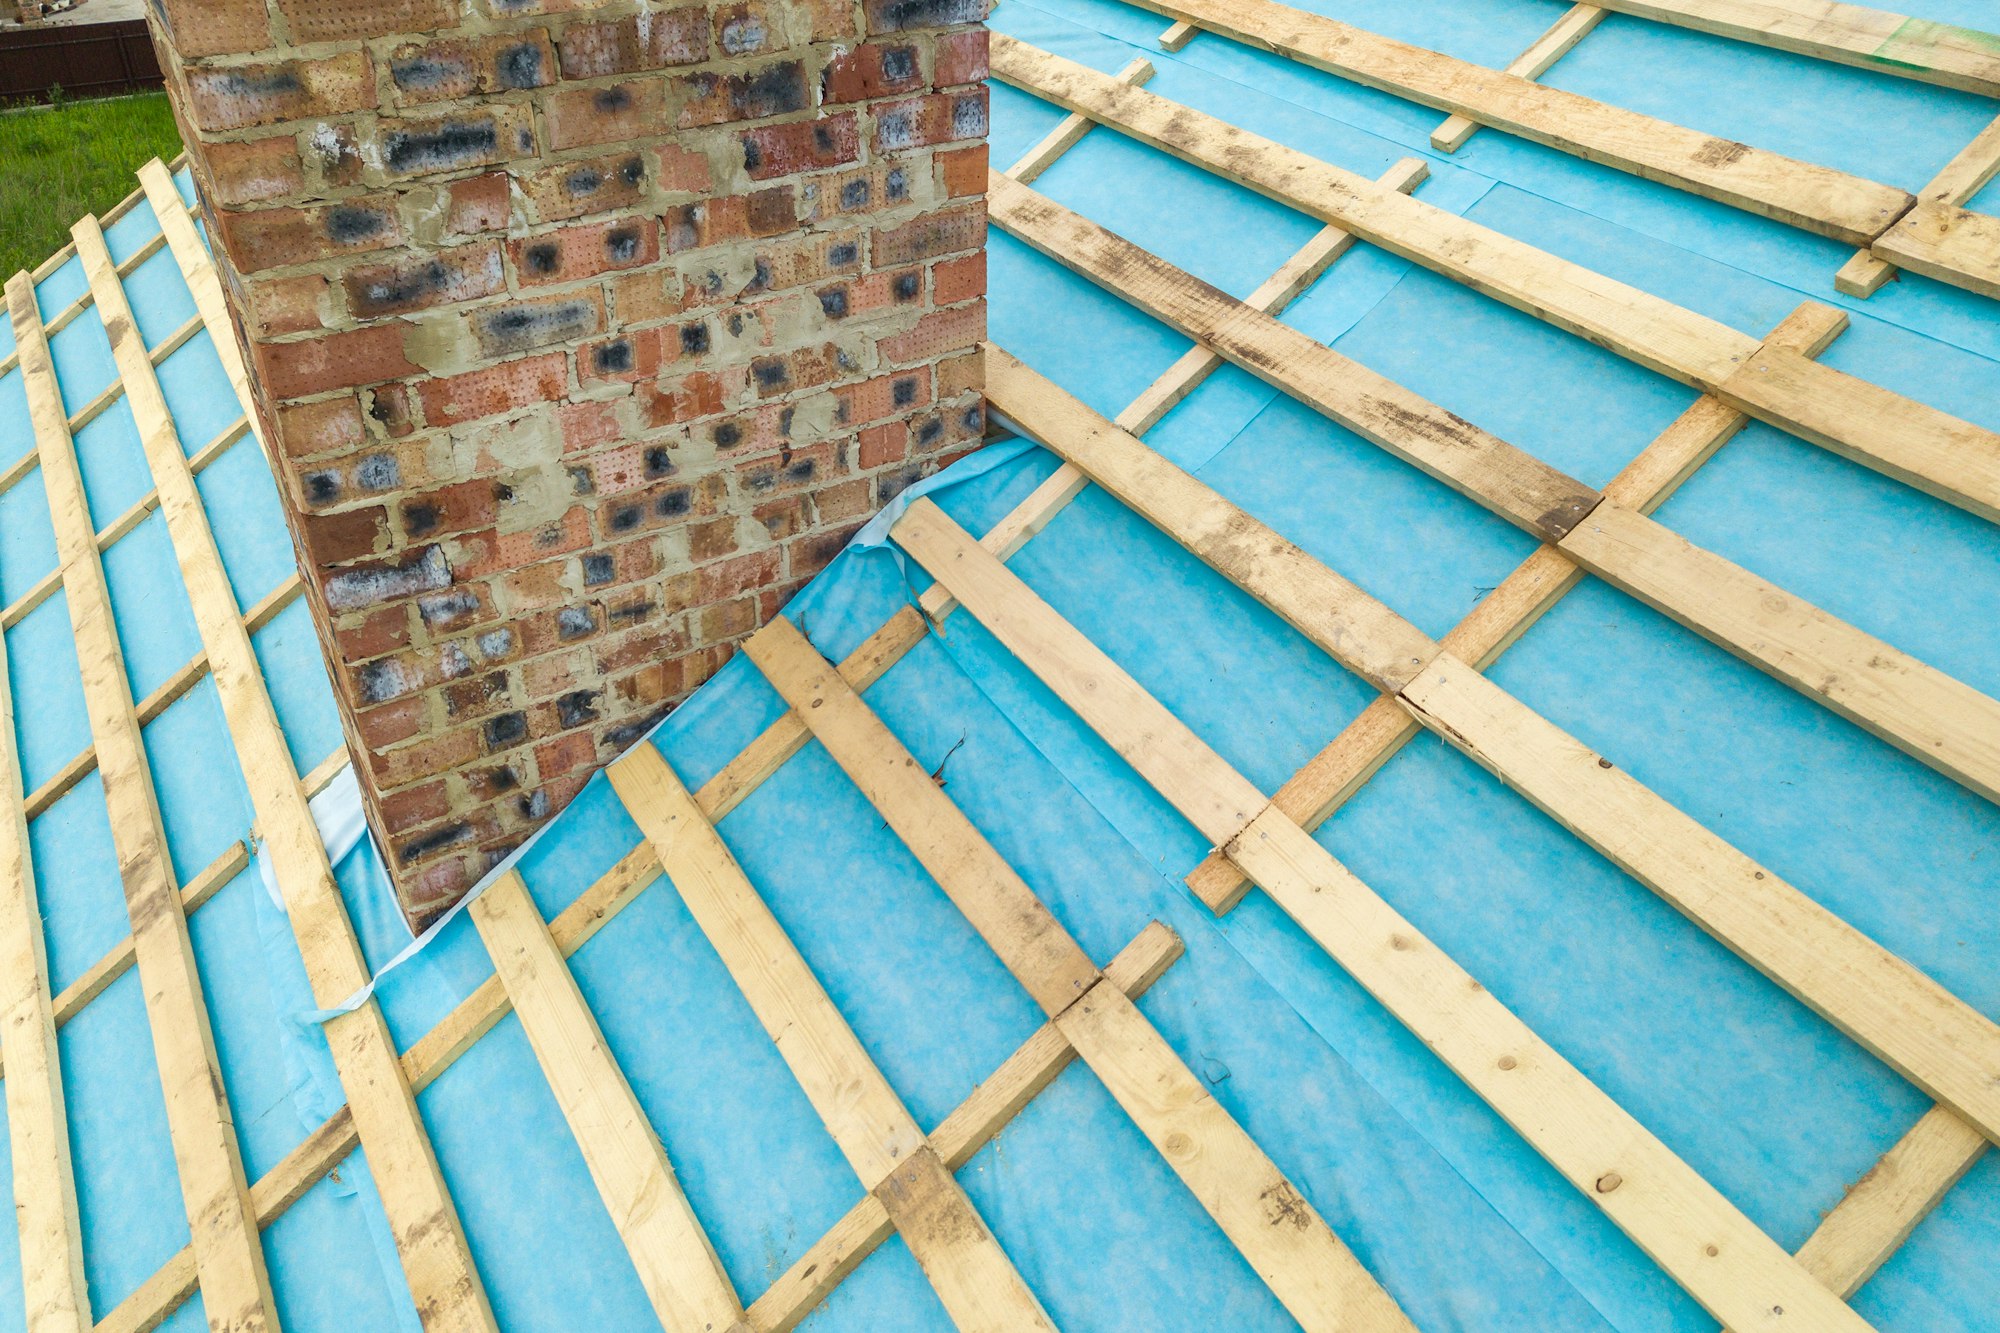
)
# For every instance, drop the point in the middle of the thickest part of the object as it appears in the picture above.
(84, 60)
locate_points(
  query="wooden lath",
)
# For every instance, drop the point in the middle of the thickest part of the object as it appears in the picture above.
(1541, 55)
(1952, 459)
(1927, 714)
(968, 1129)
(1020, 1078)
(1815, 198)
(1873, 39)
(972, 1275)
(1932, 1038)
(236, 1290)
(1955, 184)
(1312, 1273)
(1696, 1236)
(436, 1262)
(54, 1286)
(676, 1263)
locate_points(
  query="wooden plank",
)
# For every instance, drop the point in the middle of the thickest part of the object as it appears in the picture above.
(676, 1263)
(1802, 194)
(436, 1261)
(1946, 724)
(862, 1113)
(236, 1291)
(1306, 1266)
(1310, 796)
(1070, 132)
(1739, 1274)
(1962, 177)
(173, 687)
(1884, 1206)
(1946, 242)
(1953, 459)
(1918, 709)
(998, 1099)
(1905, 1018)
(1900, 1015)
(1532, 63)
(972, 1276)
(1183, 377)
(1931, 450)
(1486, 469)
(997, 903)
(54, 1287)
(1178, 36)
(198, 269)
(1278, 1231)
(1874, 39)
(1361, 633)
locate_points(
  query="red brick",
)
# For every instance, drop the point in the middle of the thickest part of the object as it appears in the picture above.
(346, 21)
(493, 390)
(477, 136)
(389, 723)
(215, 27)
(443, 277)
(288, 305)
(711, 98)
(464, 507)
(254, 170)
(587, 425)
(329, 427)
(937, 334)
(235, 97)
(957, 280)
(738, 575)
(884, 396)
(921, 122)
(931, 237)
(805, 145)
(964, 171)
(375, 634)
(585, 251)
(871, 70)
(273, 237)
(482, 203)
(884, 444)
(592, 185)
(451, 68)
(639, 298)
(335, 361)
(752, 27)
(581, 116)
(351, 534)
(638, 42)
(877, 291)
(961, 58)
(627, 358)
(513, 327)
(898, 15)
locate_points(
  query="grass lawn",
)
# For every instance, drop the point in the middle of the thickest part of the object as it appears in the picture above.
(58, 163)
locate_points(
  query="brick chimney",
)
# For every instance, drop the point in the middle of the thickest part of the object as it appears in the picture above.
(583, 332)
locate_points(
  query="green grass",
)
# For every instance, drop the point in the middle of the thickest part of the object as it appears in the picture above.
(58, 163)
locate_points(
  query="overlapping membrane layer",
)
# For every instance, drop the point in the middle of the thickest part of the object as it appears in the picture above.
(1441, 1200)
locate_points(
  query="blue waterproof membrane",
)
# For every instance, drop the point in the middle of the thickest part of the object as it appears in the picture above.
(1465, 1225)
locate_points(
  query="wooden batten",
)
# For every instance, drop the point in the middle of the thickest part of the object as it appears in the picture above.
(436, 1260)
(1306, 1266)
(1953, 459)
(1541, 55)
(1815, 198)
(236, 1290)
(972, 1275)
(1737, 1272)
(675, 1261)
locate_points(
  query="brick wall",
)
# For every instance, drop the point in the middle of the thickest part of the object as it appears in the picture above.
(583, 333)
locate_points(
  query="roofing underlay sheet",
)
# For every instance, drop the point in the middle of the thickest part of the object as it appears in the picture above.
(1460, 1220)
